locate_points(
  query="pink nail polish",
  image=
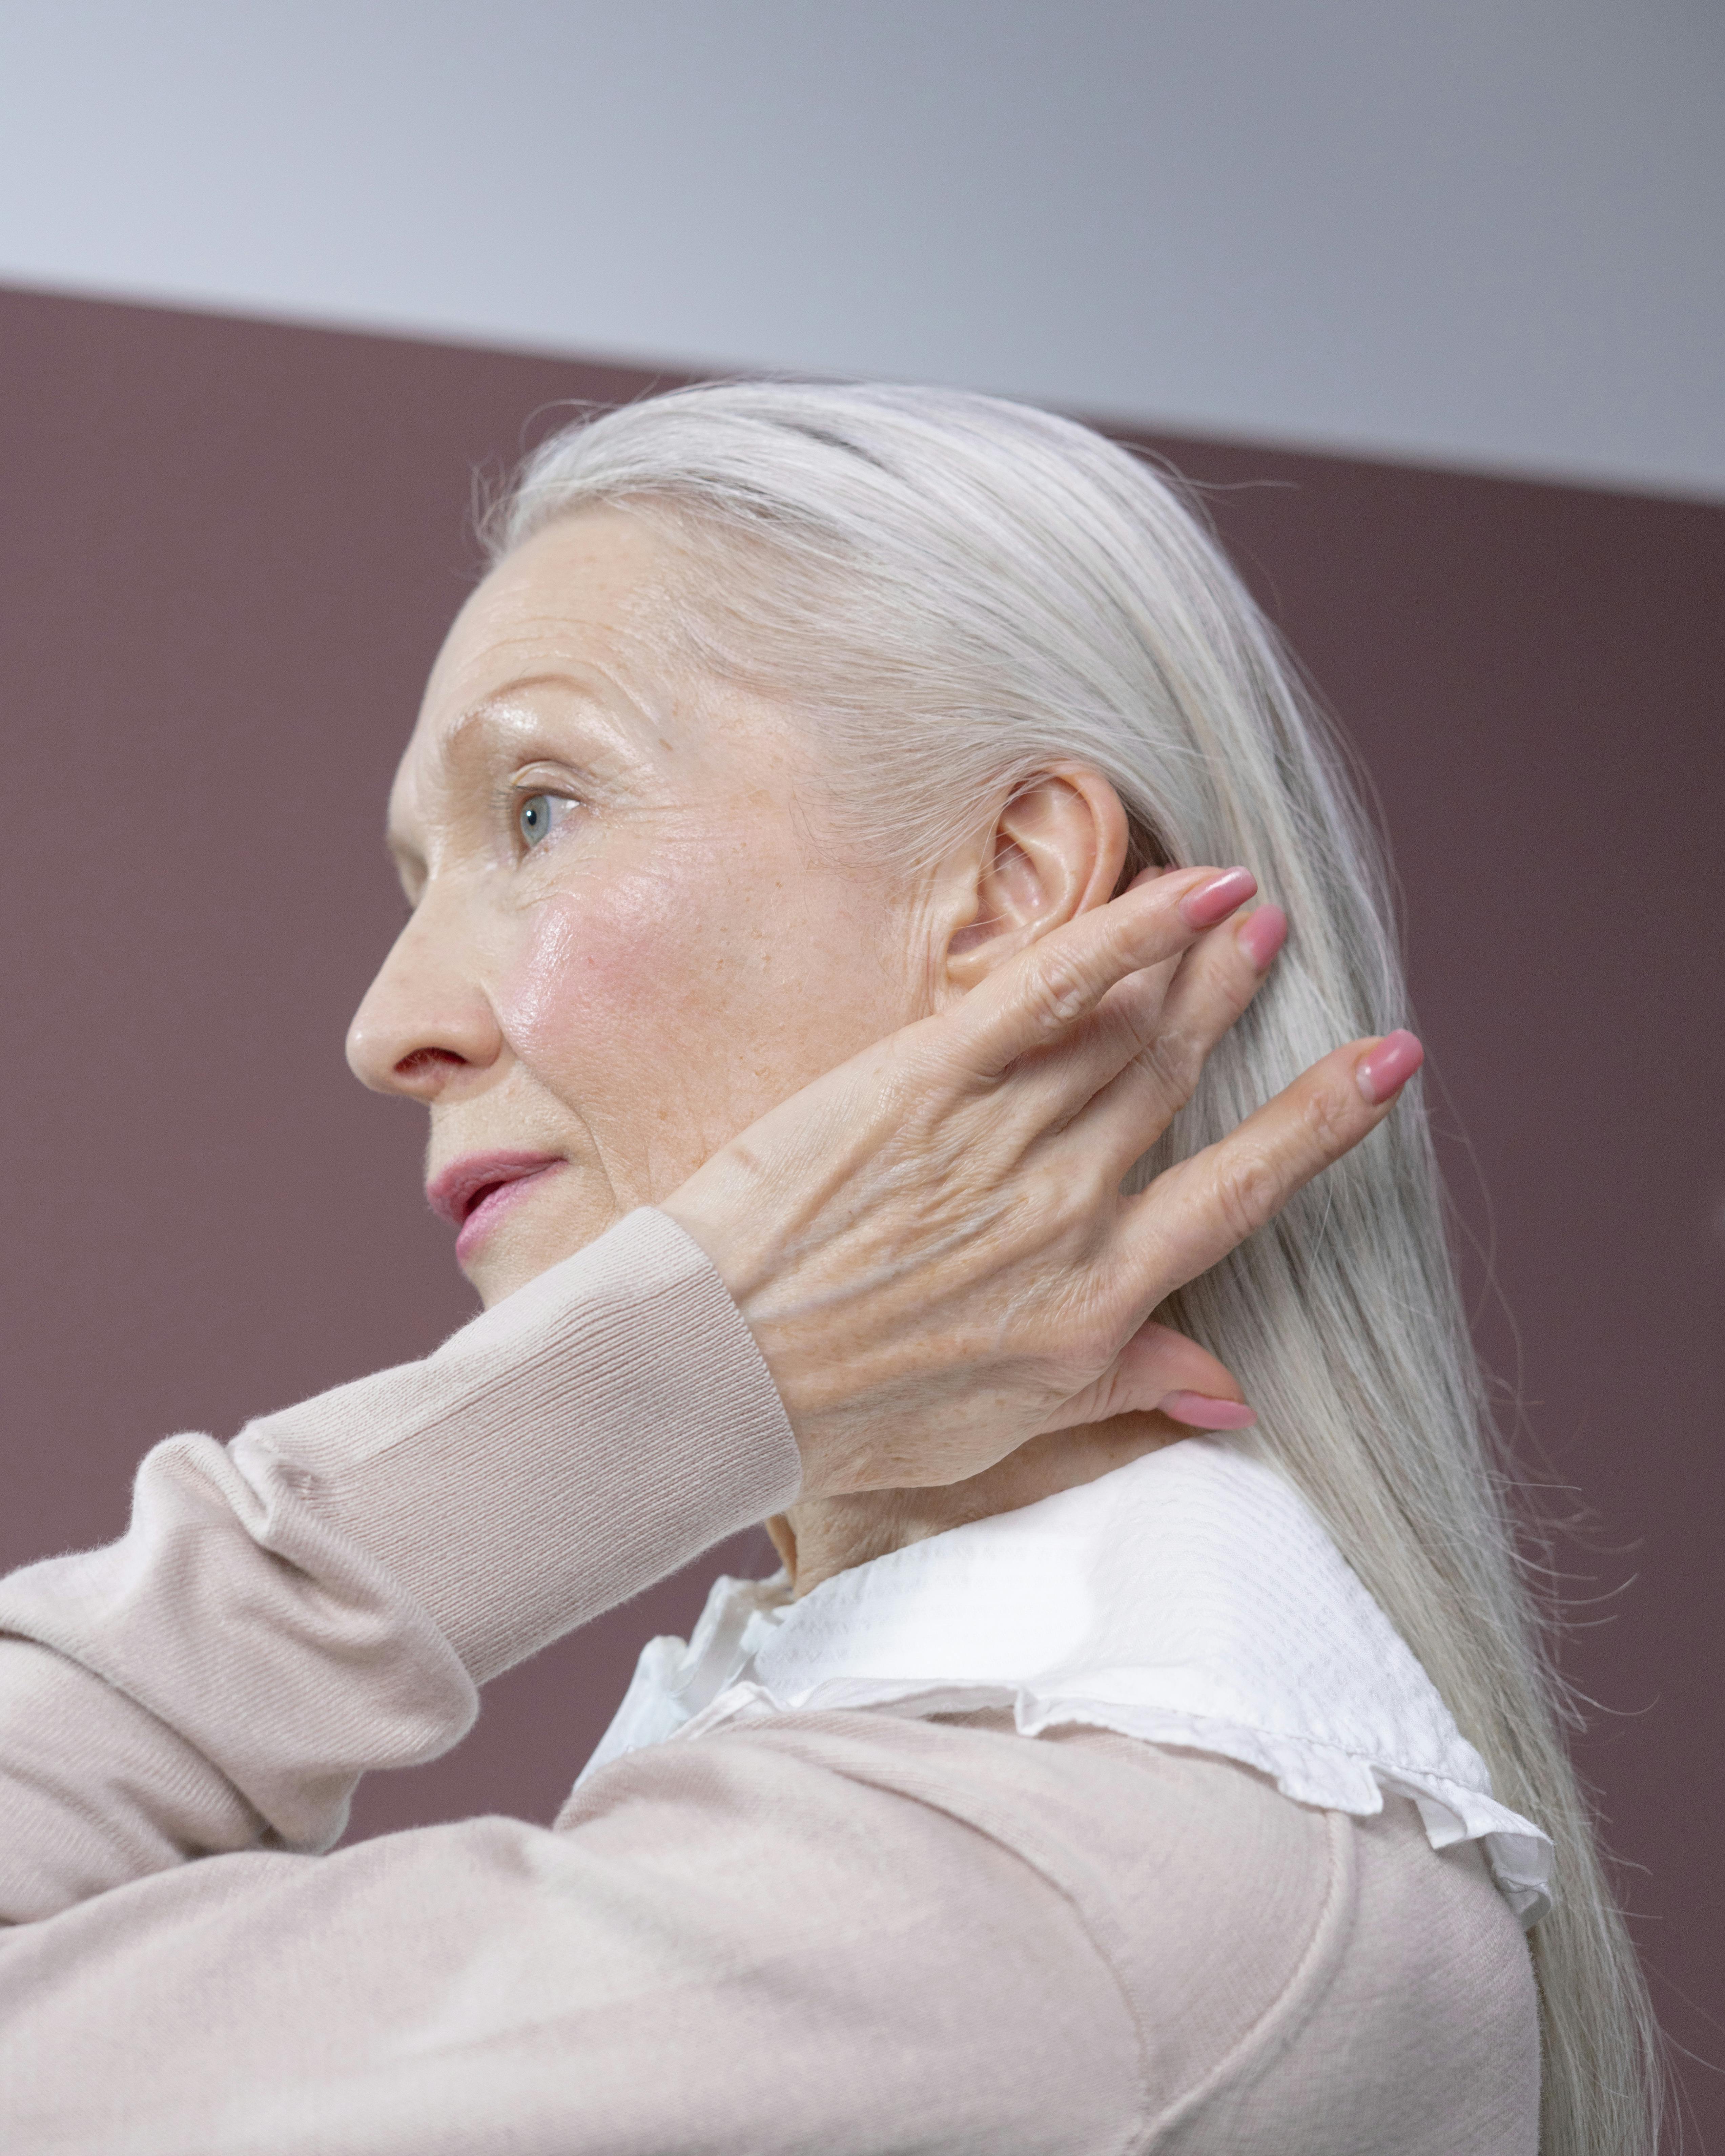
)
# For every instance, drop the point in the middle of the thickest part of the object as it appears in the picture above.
(1262, 934)
(1386, 1068)
(1214, 900)
(1205, 1412)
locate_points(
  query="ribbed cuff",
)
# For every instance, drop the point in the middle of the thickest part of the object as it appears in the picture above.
(579, 1441)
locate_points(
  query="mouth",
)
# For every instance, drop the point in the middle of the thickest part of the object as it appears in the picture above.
(473, 1193)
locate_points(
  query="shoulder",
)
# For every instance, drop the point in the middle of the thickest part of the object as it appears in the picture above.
(1293, 1978)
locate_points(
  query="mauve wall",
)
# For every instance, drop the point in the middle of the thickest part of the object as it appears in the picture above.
(228, 551)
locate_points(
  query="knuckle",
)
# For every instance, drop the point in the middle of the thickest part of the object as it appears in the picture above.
(1092, 1343)
(1096, 1350)
(1059, 990)
(1328, 1126)
(1236, 998)
(1248, 1190)
(1173, 1061)
(1223, 980)
(1087, 1321)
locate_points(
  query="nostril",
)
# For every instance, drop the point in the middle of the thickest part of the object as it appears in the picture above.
(425, 1062)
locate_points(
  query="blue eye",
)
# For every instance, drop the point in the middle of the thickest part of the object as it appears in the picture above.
(538, 816)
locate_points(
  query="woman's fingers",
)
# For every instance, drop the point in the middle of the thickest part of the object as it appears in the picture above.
(1052, 1087)
(1216, 980)
(1161, 1372)
(1202, 1208)
(1062, 979)
(931, 1283)
(1205, 1411)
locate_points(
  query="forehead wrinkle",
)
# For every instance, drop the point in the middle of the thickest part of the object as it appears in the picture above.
(596, 687)
(490, 715)
(491, 720)
(442, 752)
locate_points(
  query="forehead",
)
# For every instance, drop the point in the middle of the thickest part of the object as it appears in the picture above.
(580, 628)
(592, 590)
(581, 610)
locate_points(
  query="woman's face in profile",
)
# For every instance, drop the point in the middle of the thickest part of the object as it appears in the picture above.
(629, 937)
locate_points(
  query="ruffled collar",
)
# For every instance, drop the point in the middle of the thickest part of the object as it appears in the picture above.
(1188, 1598)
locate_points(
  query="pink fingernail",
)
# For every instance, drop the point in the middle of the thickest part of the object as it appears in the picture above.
(1214, 900)
(1262, 934)
(1204, 1412)
(1386, 1068)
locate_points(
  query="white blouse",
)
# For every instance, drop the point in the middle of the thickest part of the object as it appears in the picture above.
(1190, 1599)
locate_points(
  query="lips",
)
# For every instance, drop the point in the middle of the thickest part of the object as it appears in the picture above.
(471, 1192)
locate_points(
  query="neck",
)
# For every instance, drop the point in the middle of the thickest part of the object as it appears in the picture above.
(828, 1535)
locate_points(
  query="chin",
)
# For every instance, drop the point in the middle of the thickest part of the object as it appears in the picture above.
(519, 1249)
(495, 1273)
(492, 1284)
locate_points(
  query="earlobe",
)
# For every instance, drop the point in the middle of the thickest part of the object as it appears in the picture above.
(1056, 849)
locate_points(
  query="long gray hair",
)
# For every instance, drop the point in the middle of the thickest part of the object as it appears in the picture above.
(954, 592)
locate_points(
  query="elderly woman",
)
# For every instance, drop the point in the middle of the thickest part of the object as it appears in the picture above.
(859, 1108)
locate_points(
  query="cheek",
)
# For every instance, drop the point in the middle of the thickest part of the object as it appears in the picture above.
(594, 974)
(700, 993)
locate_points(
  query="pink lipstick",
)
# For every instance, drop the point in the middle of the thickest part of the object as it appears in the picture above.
(474, 1193)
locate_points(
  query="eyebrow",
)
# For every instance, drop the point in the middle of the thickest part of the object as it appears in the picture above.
(487, 714)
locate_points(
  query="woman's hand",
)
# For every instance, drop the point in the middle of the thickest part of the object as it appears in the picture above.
(930, 1244)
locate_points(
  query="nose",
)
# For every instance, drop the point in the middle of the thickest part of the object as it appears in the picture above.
(425, 1019)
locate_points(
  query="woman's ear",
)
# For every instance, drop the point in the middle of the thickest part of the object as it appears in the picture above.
(1056, 849)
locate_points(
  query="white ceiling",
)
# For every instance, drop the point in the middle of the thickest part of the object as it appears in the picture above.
(1483, 231)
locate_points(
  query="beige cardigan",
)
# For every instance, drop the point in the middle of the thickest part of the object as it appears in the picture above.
(825, 1933)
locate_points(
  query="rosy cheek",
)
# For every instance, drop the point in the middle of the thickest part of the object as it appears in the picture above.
(540, 975)
(596, 974)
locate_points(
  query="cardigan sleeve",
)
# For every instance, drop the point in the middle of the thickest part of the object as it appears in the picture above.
(733, 1950)
(323, 1596)
(729, 1948)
